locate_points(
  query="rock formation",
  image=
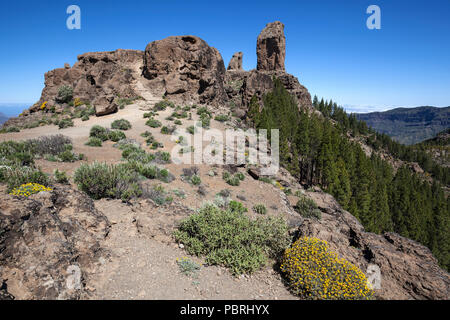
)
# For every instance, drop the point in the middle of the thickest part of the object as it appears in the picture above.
(185, 68)
(241, 86)
(49, 244)
(271, 47)
(94, 77)
(408, 269)
(236, 62)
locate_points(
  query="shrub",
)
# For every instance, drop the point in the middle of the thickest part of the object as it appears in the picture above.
(94, 142)
(121, 124)
(12, 129)
(99, 132)
(260, 209)
(221, 118)
(195, 180)
(308, 208)
(61, 176)
(153, 123)
(231, 239)
(116, 135)
(65, 123)
(188, 267)
(178, 122)
(17, 176)
(100, 180)
(65, 94)
(162, 105)
(233, 180)
(68, 156)
(29, 189)
(236, 206)
(205, 120)
(190, 129)
(85, 118)
(158, 194)
(315, 272)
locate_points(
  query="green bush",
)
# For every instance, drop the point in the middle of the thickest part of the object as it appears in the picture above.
(116, 135)
(233, 180)
(307, 208)
(85, 118)
(231, 239)
(195, 180)
(190, 129)
(65, 123)
(221, 118)
(65, 94)
(94, 142)
(153, 123)
(101, 180)
(162, 105)
(61, 176)
(99, 132)
(260, 209)
(121, 124)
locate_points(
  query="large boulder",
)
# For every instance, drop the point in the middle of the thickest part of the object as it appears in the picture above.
(49, 244)
(408, 269)
(185, 69)
(271, 47)
(236, 61)
(105, 105)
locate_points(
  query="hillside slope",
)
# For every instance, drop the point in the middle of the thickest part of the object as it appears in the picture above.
(409, 125)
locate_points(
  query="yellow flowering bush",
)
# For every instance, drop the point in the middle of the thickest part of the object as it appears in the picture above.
(315, 272)
(77, 102)
(43, 105)
(28, 189)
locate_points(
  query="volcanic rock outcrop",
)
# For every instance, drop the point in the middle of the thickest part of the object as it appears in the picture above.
(185, 68)
(236, 61)
(94, 77)
(49, 244)
(408, 269)
(241, 86)
(271, 47)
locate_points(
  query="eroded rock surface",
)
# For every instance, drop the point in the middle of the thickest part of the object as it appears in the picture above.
(271, 47)
(185, 68)
(236, 61)
(49, 244)
(94, 76)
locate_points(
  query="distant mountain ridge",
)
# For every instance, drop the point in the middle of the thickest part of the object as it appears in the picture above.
(409, 125)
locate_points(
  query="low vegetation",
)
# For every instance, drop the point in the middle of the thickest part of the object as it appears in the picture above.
(231, 239)
(307, 208)
(313, 271)
(121, 124)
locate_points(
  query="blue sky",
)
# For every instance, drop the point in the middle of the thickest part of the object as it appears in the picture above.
(329, 47)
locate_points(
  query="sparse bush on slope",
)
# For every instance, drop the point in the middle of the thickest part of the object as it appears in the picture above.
(229, 238)
(101, 180)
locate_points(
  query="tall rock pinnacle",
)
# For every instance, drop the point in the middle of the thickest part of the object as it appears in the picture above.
(271, 47)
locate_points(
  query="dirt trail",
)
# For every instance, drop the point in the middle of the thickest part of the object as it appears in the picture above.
(143, 268)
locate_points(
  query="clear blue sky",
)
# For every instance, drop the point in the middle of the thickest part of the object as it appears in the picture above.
(329, 48)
